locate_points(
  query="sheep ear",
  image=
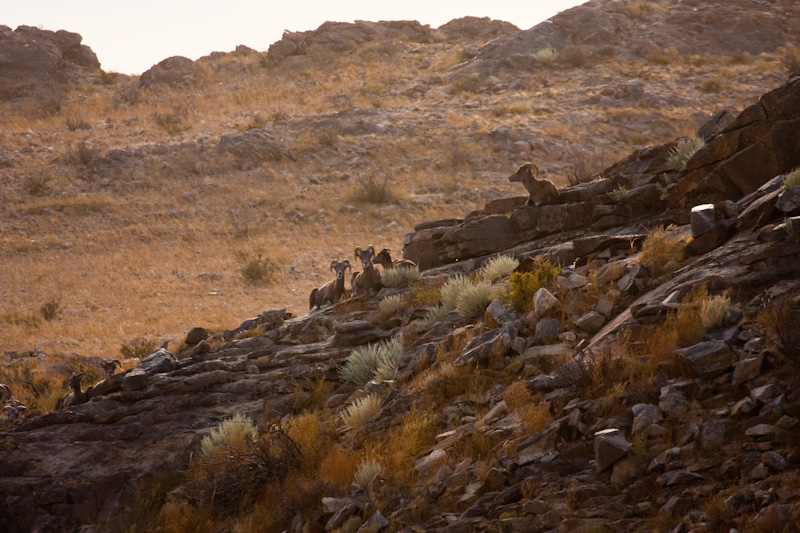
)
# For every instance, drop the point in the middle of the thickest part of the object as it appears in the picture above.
(534, 169)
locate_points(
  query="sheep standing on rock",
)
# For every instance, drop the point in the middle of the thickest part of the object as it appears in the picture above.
(370, 278)
(76, 397)
(109, 366)
(331, 291)
(542, 192)
(384, 258)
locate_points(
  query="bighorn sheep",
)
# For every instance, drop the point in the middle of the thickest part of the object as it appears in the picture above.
(331, 291)
(76, 397)
(5, 393)
(542, 192)
(109, 366)
(14, 409)
(370, 278)
(384, 259)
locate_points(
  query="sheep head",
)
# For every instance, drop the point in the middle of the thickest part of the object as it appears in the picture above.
(340, 267)
(365, 256)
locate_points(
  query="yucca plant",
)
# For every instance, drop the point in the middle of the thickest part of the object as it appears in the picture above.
(392, 277)
(452, 289)
(792, 179)
(499, 267)
(683, 150)
(235, 431)
(361, 411)
(366, 472)
(391, 304)
(362, 364)
(473, 300)
(714, 311)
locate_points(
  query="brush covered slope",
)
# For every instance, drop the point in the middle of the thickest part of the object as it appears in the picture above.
(635, 371)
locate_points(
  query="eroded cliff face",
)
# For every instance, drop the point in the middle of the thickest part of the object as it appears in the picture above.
(719, 416)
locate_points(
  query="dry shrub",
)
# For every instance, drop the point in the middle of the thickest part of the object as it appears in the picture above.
(235, 474)
(255, 268)
(684, 149)
(473, 300)
(534, 417)
(792, 179)
(362, 411)
(668, 57)
(366, 471)
(586, 165)
(662, 247)
(575, 56)
(337, 467)
(714, 311)
(593, 375)
(372, 190)
(82, 154)
(522, 286)
(779, 321)
(546, 56)
(790, 58)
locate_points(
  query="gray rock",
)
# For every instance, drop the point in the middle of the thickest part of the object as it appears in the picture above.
(743, 407)
(789, 201)
(709, 359)
(499, 313)
(673, 401)
(609, 447)
(591, 322)
(573, 281)
(712, 435)
(376, 523)
(747, 369)
(158, 362)
(764, 394)
(492, 344)
(544, 301)
(604, 306)
(645, 415)
(774, 461)
(546, 330)
(702, 218)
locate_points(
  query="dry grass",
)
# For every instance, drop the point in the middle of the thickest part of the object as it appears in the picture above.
(151, 253)
(662, 247)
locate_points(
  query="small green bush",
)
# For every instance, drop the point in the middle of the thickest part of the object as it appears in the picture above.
(366, 471)
(523, 285)
(452, 289)
(683, 150)
(235, 431)
(361, 411)
(363, 363)
(410, 274)
(473, 300)
(391, 304)
(499, 267)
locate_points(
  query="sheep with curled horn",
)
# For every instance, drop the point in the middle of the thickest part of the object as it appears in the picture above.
(369, 278)
(384, 258)
(109, 366)
(5, 393)
(540, 191)
(331, 292)
(76, 397)
(14, 409)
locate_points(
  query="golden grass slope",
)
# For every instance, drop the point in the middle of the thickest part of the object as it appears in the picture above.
(157, 252)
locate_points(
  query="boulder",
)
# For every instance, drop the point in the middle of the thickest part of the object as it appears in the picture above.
(710, 358)
(609, 447)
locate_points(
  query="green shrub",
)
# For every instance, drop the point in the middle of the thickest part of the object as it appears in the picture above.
(236, 431)
(523, 285)
(391, 304)
(361, 411)
(366, 472)
(473, 300)
(363, 363)
(410, 274)
(499, 267)
(683, 150)
(452, 289)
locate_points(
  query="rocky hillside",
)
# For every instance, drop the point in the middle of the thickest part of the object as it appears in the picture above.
(648, 384)
(618, 352)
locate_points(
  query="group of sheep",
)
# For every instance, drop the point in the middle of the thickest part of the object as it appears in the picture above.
(369, 278)
(13, 408)
(77, 396)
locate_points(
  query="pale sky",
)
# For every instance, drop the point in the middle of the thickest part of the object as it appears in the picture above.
(131, 36)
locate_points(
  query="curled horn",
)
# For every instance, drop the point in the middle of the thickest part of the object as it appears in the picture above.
(358, 251)
(347, 265)
(371, 250)
(333, 264)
